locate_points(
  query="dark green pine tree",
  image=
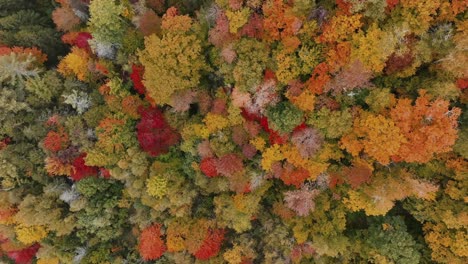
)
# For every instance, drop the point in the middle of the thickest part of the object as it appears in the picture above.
(28, 23)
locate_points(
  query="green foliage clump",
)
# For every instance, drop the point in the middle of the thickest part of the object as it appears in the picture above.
(284, 117)
(16, 68)
(379, 99)
(333, 124)
(28, 24)
(387, 239)
(247, 70)
(100, 219)
(106, 21)
(44, 88)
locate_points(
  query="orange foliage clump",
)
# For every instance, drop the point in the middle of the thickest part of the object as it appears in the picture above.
(7, 215)
(55, 141)
(279, 22)
(65, 19)
(358, 174)
(56, 167)
(130, 105)
(294, 176)
(210, 245)
(319, 78)
(151, 245)
(338, 56)
(377, 135)
(340, 28)
(429, 127)
(37, 53)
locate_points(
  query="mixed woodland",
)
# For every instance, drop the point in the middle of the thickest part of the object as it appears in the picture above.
(233, 131)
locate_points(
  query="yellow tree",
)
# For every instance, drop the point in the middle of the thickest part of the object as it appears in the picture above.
(173, 62)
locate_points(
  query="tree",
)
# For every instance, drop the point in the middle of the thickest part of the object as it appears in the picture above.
(429, 127)
(27, 24)
(387, 241)
(376, 135)
(174, 61)
(151, 245)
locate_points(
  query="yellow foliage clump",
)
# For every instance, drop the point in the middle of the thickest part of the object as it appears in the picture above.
(237, 19)
(195, 130)
(340, 28)
(156, 186)
(48, 261)
(215, 122)
(447, 245)
(419, 14)
(177, 232)
(314, 166)
(55, 167)
(173, 61)
(270, 156)
(30, 234)
(259, 143)
(304, 101)
(288, 68)
(75, 63)
(234, 255)
(373, 48)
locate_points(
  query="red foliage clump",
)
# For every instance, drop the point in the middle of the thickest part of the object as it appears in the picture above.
(249, 151)
(254, 27)
(274, 137)
(229, 164)
(105, 173)
(462, 84)
(4, 142)
(211, 245)
(154, 133)
(81, 40)
(391, 4)
(396, 63)
(24, 256)
(81, 170)
(208, 167)
(136, 75)
(151, 245)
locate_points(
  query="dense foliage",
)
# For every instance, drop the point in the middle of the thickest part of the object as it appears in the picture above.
(233, 131)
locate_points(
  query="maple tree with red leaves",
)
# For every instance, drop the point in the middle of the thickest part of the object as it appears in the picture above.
(211, 245)
(208, 167)
(24, 256)
(154, 133)
(136, 76)
(80, 170)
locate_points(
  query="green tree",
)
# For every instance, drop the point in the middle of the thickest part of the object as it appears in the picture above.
(28, 24)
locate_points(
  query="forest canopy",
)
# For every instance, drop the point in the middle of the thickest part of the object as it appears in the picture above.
(233, 131)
